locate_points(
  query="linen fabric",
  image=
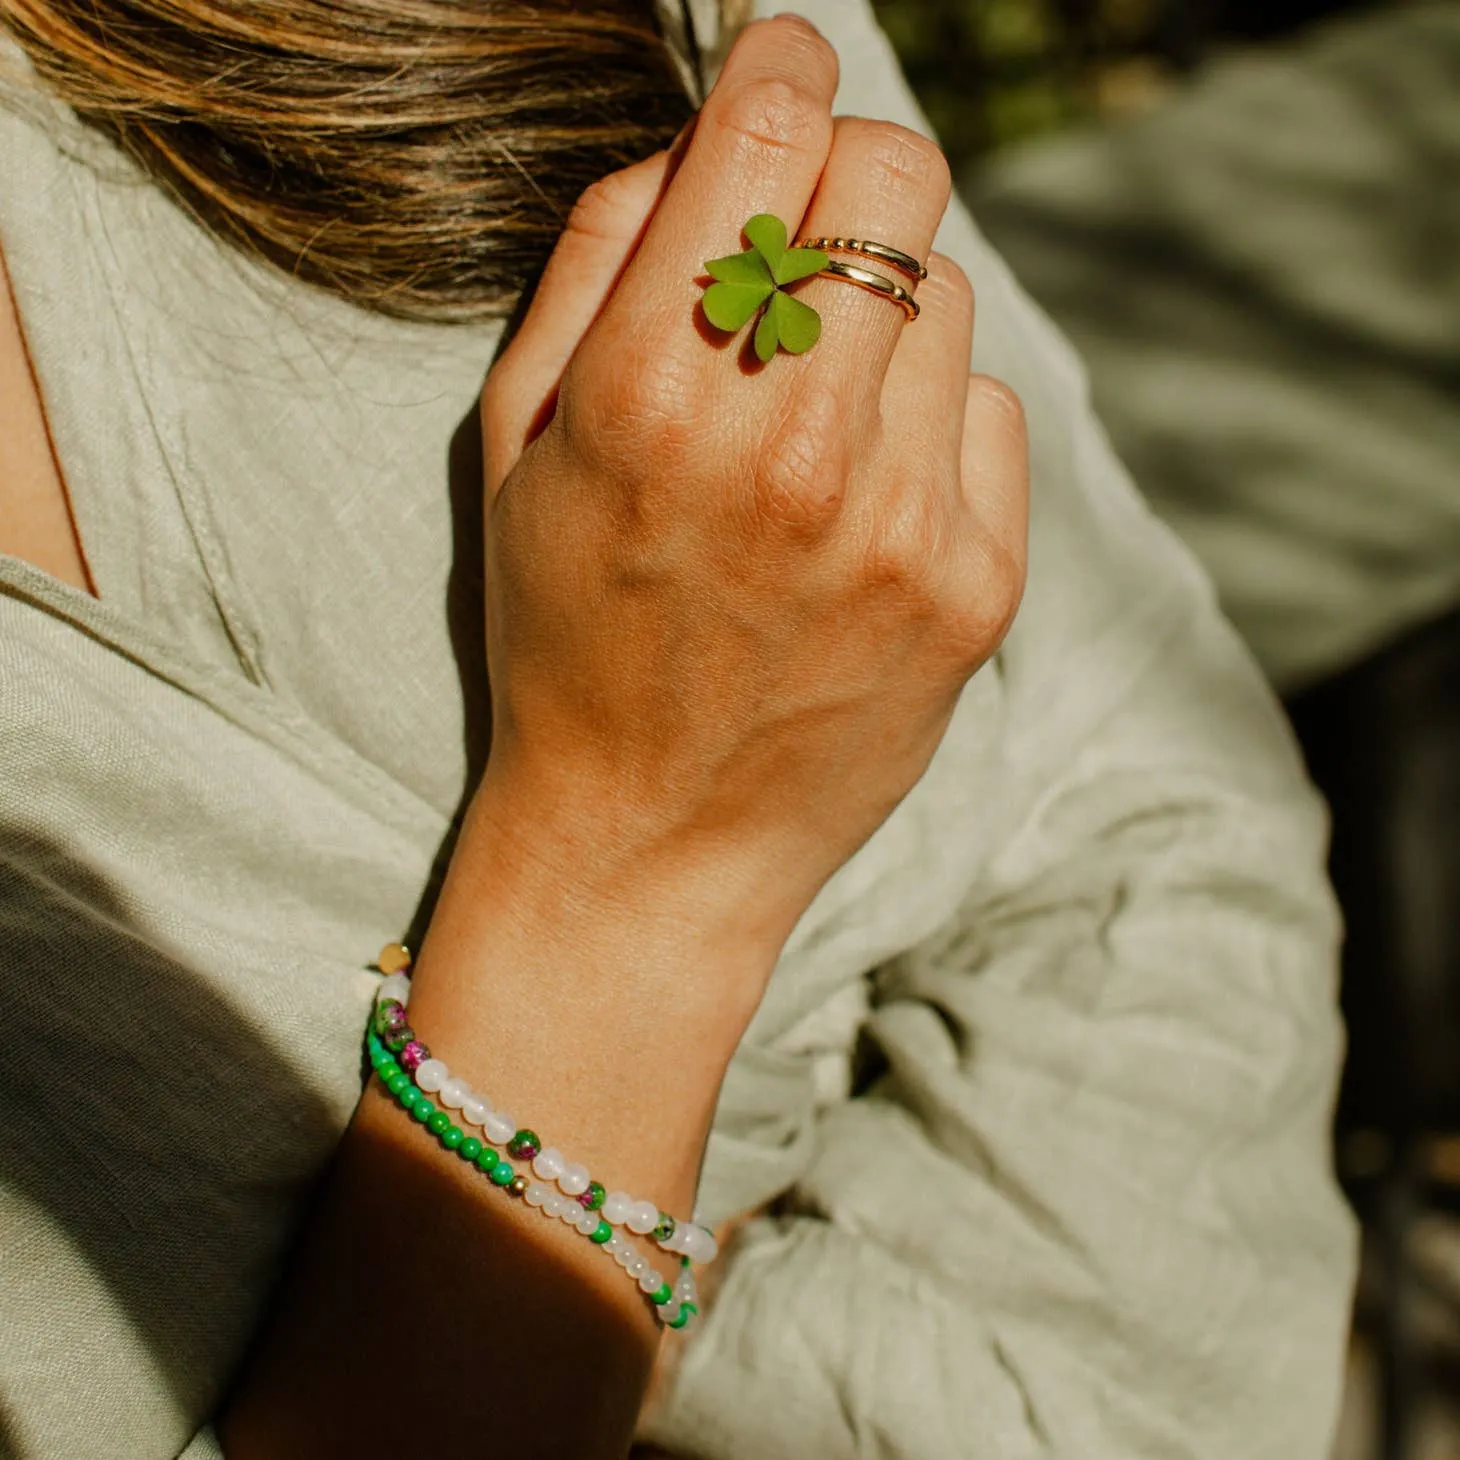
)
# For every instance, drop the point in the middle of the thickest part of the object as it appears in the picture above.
(1086, 1209)
(1264, 277)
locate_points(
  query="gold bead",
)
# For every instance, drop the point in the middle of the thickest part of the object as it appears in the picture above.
(517, 1186)
(394, 958)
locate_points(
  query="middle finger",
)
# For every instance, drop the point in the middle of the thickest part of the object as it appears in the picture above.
(891, 185)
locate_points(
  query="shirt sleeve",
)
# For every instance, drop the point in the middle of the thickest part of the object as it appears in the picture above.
(1086, 1210)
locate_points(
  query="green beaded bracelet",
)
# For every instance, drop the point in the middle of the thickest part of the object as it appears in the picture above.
(525, 1145)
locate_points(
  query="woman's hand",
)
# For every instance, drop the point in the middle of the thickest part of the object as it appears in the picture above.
(729, 613)
(731, 608)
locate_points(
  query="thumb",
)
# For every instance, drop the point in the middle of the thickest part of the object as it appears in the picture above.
(600, 238)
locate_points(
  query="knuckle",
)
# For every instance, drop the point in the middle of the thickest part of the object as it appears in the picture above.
(800, 481)
(1000, 404)
(906, 157)
(634, 404)
(775, 113)
(604, 207)
(902, 557)
(799, 48)
(949, 287)
(989, 601)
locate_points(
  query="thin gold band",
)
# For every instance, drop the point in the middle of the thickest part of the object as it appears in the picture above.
(894, 256)
(877, 283)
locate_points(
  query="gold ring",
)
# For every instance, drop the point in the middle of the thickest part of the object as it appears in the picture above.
(894, 256)
(877, 283)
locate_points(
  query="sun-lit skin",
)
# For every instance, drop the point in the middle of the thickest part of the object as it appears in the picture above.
(730, 610)
(35, 516)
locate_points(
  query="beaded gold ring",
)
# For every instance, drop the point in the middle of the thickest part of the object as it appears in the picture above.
(882, 252)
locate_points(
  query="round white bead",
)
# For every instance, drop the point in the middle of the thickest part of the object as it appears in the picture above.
(535, 1194)
(572, 1212)
(552, 1203)
(431, 1075)
(625, 1255)
(475, 1110)
(397, 986)
(614, 1246)
(588, 1223)
(670, 1311)
(616, 1207)
(636, 1267)
(643, 1218)
(499, 1128)
(574, 1179)
(699, 1245)
(455, 1094)
(549, 1163)
(651, 1281)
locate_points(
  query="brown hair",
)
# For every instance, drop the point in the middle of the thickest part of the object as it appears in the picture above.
(416, 156)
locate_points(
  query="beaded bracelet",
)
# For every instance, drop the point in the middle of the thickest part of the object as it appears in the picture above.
(411, 1073)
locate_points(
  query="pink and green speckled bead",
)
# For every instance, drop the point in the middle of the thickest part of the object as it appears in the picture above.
(524, 1146)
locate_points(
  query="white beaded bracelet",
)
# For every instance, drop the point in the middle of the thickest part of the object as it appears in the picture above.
(563, 1189)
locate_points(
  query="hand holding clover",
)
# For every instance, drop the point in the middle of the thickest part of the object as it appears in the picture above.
(730, 613)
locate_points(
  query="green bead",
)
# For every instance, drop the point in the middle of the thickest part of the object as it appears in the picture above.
(397, 1083)
(524, 1145)
(453, 1137)
(487, 1158)
(681, 1320)
(602, 1233)
(438, 1122)
(469, 1149)
(664, 1228)
(690, 1308)
(386, 1013)
(664, 1294)
(502, 1173)
(423, 1110)
(593, 1198)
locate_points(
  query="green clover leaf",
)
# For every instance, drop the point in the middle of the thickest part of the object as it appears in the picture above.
(746, 281)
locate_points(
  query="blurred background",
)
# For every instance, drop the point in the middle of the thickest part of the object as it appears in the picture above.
(1246, 214)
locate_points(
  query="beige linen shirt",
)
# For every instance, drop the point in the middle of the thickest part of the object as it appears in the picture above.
(1086, 1209)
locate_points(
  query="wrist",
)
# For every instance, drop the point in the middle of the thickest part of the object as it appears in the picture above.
(603, 868)
(599, 1006)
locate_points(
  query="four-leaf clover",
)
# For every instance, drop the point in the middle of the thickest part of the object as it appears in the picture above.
(745, 281)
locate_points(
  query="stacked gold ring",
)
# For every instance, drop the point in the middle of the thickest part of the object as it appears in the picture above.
(877, 283)
(868, 278)
(894, 256)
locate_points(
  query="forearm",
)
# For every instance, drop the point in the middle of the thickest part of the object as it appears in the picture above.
(601, 1014)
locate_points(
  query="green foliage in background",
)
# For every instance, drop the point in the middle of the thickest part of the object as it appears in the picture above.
(994, 72)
